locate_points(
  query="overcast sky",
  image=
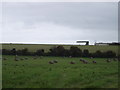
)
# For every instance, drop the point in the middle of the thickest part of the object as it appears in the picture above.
(60, 22)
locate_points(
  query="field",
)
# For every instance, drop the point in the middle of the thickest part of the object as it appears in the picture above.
(46, 47)
(38, 73)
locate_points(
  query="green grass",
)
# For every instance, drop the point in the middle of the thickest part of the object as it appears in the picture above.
(38, 73)
(0, 72)
(46, 47)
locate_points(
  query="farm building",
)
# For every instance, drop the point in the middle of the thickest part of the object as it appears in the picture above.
(86, 42)
(113, 43)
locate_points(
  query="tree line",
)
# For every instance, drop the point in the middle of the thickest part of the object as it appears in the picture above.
(60, 51)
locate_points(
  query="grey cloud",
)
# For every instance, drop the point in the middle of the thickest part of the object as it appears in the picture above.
(92, 18)
(76, 15)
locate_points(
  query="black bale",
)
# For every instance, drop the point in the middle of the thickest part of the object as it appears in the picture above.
(94, 62)
(51, 62)
(72, 62)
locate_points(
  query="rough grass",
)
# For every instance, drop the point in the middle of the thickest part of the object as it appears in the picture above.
(46, 47)
(38, 73)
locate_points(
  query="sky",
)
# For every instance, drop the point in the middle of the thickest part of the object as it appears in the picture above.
(59, 22)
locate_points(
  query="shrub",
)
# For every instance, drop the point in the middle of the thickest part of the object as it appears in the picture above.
(110, 54)
(85, 53)
(23, 52)
(40, 52)
(6, 52)
(75, 51)
(57, 51)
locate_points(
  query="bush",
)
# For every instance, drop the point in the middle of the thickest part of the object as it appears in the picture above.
(61, 51)
(85, 53)
(75, 51)
(66, 52)
(52, 51)
(6, 52)
(40, 52)
(23, 52)
(110, 54)
(98, 53)
(13, 51)
(57, 51)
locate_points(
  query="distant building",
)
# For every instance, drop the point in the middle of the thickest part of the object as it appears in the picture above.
(86, 42)
(113, 43)
(101, 44)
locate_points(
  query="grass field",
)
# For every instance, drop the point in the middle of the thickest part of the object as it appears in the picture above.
(38, 73)
(46, 47)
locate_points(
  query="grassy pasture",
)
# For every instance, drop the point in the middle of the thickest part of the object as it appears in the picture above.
(38, 73)
(46, 47)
